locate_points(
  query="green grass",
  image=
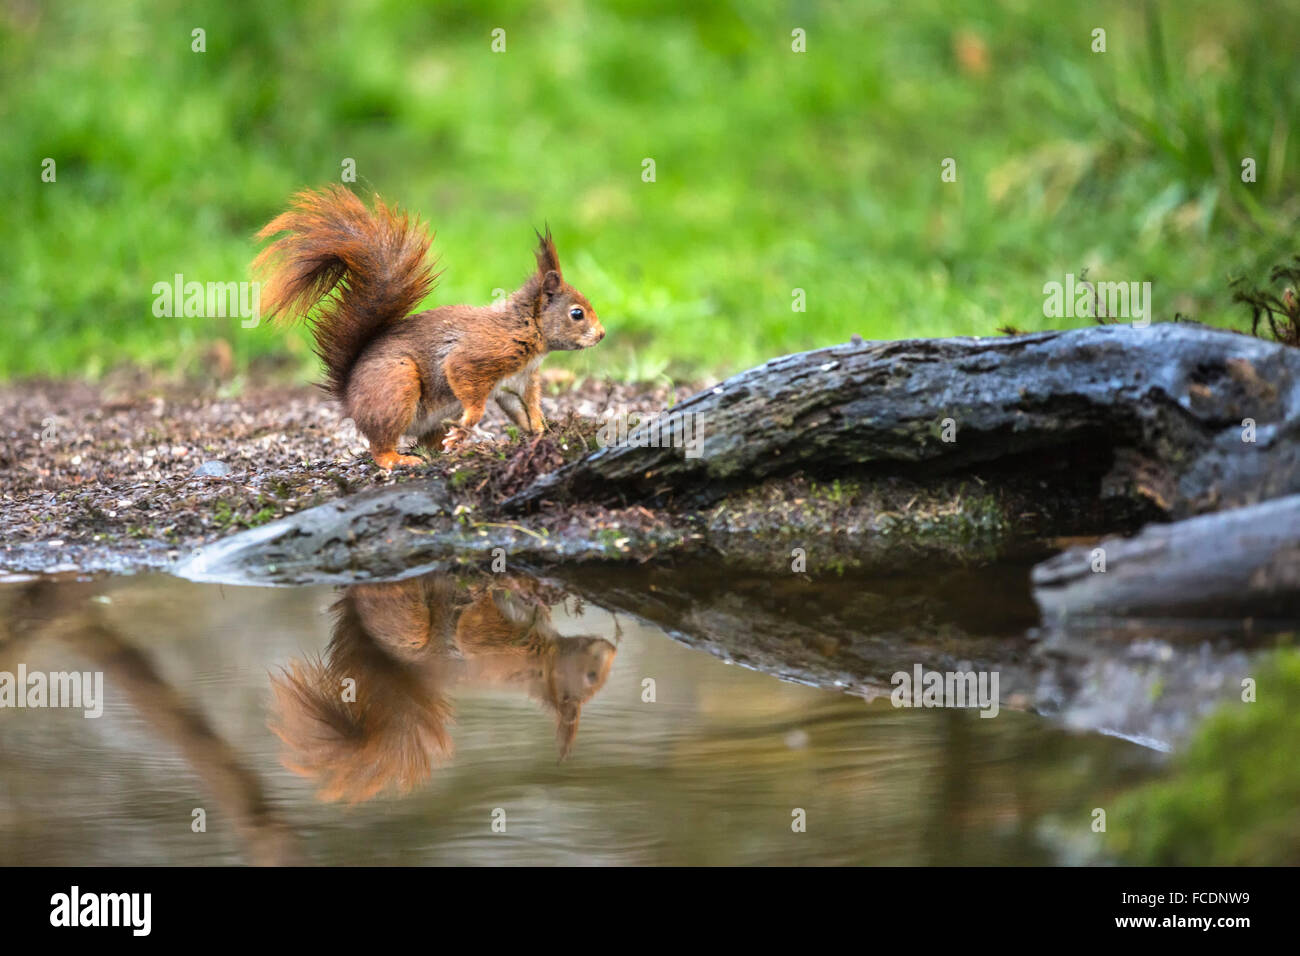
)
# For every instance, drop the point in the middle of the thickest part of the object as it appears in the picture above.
(775, 170)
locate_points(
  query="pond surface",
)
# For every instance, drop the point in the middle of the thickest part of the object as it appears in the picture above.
(464, 694)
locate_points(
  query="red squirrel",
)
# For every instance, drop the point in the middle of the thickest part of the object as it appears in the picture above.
(429, 375)
(402, 648)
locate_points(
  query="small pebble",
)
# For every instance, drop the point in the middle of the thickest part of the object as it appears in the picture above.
(212, 469)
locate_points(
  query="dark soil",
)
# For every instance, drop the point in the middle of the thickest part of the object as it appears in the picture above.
(103, 477)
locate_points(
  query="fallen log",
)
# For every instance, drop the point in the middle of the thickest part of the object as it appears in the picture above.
(1242, 563)
(1160, 410)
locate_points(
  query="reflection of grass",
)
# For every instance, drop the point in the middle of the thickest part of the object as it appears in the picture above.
(775, 170)
(1234, 795)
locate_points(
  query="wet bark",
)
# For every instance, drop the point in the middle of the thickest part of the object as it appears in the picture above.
(1239, 563)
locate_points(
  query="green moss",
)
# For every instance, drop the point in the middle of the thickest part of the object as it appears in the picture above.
(1233, 795)
(223, 516)
(231, 516)
(461, 477)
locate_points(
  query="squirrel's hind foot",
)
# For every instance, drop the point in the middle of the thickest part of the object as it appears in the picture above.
(387, 460)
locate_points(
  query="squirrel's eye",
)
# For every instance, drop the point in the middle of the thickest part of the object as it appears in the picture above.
(575, 314)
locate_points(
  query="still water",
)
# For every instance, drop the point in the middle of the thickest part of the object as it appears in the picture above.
(430, 730)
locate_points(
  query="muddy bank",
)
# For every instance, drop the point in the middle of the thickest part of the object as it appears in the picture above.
(125, 476)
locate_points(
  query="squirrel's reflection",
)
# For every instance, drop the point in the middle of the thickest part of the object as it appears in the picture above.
(374, 712)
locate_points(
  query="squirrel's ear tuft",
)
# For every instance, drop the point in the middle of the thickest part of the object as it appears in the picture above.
(547, 258)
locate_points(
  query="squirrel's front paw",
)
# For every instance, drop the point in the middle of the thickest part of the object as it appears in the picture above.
(455, 438)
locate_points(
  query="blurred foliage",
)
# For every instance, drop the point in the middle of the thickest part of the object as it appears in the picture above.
(1232, 796)
(775, 170)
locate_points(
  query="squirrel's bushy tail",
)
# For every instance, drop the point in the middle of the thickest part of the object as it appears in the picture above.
(377, 259)
(395, 727)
